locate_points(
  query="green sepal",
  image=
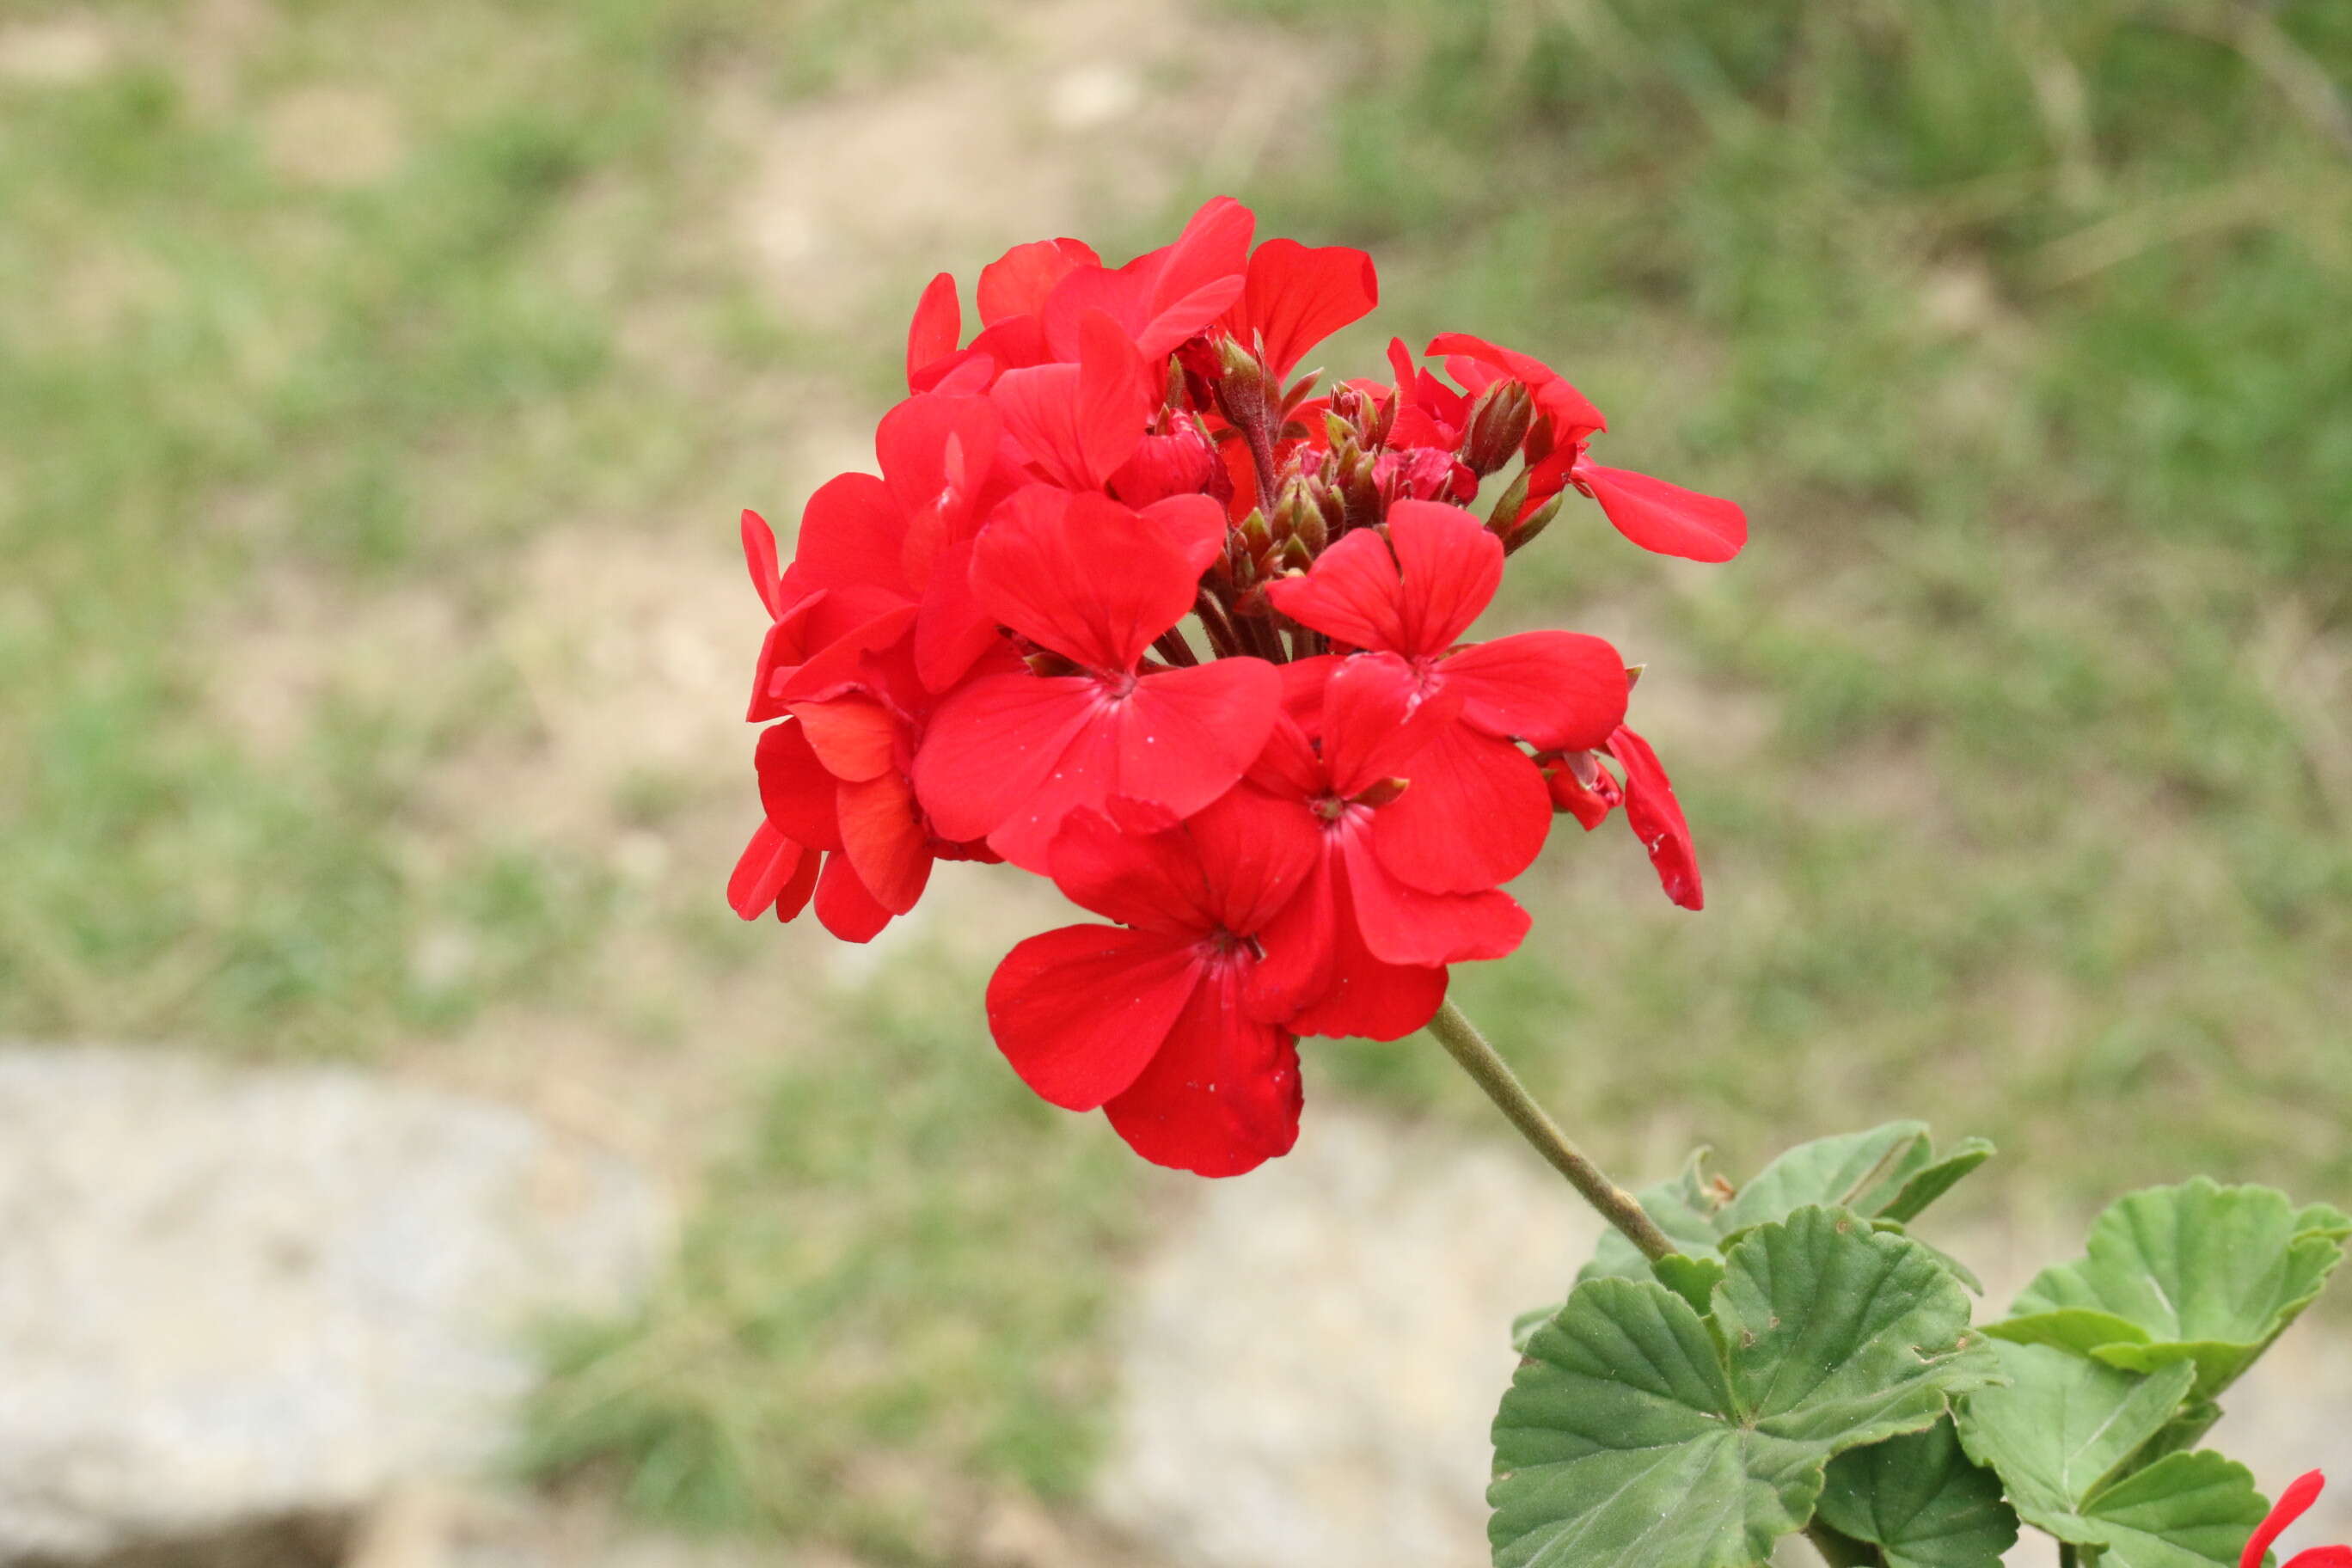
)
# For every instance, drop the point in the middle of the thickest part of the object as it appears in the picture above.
(1639, 1433)
(2197, 1273)
(1921, 1500)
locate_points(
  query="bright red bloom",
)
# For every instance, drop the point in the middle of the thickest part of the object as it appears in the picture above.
(1361, 951)
(1583, 789)
(2292, 1504)
(1164, 297)
(1654, 514)
(1147, 1021)
(1079, 423)
(1009, 757)
(1477, 813)
(1295, 296)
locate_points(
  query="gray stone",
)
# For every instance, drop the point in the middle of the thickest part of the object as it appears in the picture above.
(1313, 1358)
(229, 1295)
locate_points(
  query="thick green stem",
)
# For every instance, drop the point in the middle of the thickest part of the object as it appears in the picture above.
(2067, 1556)
(1461, 1037)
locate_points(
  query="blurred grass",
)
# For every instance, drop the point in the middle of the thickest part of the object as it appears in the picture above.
(2019, 743)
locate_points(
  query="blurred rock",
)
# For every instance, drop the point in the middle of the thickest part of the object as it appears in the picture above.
(1313, 1361)
(236, 1296)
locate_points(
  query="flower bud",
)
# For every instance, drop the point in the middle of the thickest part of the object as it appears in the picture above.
(1256, 536)
(1183, 462)
(1415, 473)
(1296, 554)
(1503, 519)
(1498, 424)
(1579, 786)
(1535, 522)
(1242, 388)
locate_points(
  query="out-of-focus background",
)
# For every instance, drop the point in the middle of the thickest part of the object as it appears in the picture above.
(407, 1160)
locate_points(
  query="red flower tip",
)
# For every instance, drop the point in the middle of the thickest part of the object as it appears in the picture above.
(2292, 1504)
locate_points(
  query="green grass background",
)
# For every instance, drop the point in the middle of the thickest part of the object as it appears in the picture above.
(2019, 744)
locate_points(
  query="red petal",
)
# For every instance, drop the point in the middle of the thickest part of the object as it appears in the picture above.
(1018, 283)
(1194, 524)
(937, 326)
(1297, 296)
(936, 444)
(1255, 851)
(1177, 741)
(1656, 818)
(2322, 1557)
(1080, 1011)
(885, 839)
(1213, 246)
(1300, 947)
(851, 534)
(767, 867)
(1152, 881)
(1349, 594)
(1665, 517)
(953, 630)
(1372, 729)
(1451, 566)
(1082, 575)
(1473, 817)
(1185, 736)
(1589, 804)
(794, 789)
(760, 557)
(1288, 765)
(1364, 996)
(1222, 1095)
(1556, 690)
(1402, 924)
(853, 737)
(843, 906)
(846, 663)
(1079, 423)
(2293, 1503)
(1187, 316)
(991, 747)
(1567, 409)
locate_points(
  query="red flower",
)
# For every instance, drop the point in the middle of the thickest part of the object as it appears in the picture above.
(1654, 514)
(1164, 297)
(1009, 757)
(1295, 297)
(1147, 1021)
(1477, 813)
(1079, 423)
(1582, 788)
(2292, 1504)
(1362, 949)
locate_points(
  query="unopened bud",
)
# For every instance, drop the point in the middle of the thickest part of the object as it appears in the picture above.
(1241, 387)
(1504, 517)
(1498, 424)
(1359, 490)
(1338, 431)
(1256, 536)
(1378, 419)
(1296, 554)
(1535, 522)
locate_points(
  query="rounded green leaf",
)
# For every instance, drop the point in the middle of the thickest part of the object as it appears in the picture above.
(2197, 1273)
(1921, 1501)
(1641, 1435)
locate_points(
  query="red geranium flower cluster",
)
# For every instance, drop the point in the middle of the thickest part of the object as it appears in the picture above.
(1130, 608)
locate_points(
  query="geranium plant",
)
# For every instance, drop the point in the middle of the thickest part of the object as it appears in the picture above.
(1138, 606)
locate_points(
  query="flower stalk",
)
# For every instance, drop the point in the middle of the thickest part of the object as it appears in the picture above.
(1490, 1072)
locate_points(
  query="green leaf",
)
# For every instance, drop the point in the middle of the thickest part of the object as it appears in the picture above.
(1889, 1173)
(2186, 1511)
(2062, 1425)
(1692, 1278)
(1642, 1435)
(2198, 1273)
(2065, 1433)
(1936, 1179)
(1859, 1171)
(2323, 1219)
(1921, 1501)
